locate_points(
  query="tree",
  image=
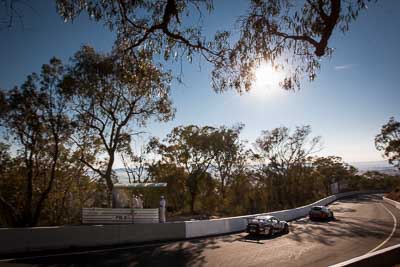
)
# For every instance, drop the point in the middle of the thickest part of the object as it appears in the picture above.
(156, 27)
(281, 150)
(9, 205)
(282, 162)
(388, 141)
(190, 148)
(111, 96)
(175, 177)
(136, 160)
(290, 35)
(229, 155)
(244, 195)
(34, 116)
(73, 190)
(332, 169)
(286, 33)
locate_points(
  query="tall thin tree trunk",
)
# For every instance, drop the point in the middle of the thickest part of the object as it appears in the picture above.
(27, 217)
(108, 178)
(192, 202)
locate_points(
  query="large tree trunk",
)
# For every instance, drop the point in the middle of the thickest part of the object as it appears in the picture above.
(192, 184)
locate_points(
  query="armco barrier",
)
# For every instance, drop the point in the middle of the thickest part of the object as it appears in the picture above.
(16, 240)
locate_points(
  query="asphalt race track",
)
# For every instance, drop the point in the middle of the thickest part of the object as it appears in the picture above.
(363, 224)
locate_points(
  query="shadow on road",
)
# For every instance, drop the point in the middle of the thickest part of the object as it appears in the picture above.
(345, 227)
(258, 239)
(177, 255)
(188, 253)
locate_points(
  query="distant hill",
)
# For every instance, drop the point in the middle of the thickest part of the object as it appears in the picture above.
(122, 175)
(380, 166)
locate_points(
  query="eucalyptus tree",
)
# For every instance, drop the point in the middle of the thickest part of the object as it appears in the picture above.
(137, 159)
(229, 154)
(191, 148)
(289, 34)
(282, 161)
(34, 117)
(388, 141)
(332, 169)
(176, 192)
(112, 98)
(281, 150)
(160, 28)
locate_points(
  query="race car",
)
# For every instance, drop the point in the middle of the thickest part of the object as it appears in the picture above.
(268, 225)
(320, 212)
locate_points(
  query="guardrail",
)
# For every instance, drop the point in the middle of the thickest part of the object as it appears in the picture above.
(18, 240)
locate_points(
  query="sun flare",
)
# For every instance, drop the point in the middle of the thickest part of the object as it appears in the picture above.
(267, 79)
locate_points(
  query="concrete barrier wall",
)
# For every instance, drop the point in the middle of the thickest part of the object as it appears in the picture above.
(15, 240)
(215, 227)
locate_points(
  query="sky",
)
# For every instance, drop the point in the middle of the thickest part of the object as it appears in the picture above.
(355, 93)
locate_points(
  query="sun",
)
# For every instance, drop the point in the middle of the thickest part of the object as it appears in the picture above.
(267, 79)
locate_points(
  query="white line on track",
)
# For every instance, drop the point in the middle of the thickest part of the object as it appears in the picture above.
(391, 234)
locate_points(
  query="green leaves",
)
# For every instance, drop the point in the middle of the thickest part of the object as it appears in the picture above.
(388, 141)
(281, 150)
(293, 35)
(111, 98)
(34, 116)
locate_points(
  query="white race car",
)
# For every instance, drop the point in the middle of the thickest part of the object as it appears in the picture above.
(268, 225)
(320, 212)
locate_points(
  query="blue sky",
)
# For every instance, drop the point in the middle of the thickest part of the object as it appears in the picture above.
(355, 92)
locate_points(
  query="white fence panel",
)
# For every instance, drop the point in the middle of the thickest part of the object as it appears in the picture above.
(119, 216)
(145, 216)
